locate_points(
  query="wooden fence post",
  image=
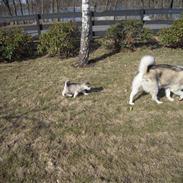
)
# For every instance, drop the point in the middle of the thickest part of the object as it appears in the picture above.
(142, 13)
(39, 26)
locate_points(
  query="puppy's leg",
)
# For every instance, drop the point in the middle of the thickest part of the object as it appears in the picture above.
(75, 94)
(69, 95)
(136, 85)
(154, 94)
(63, 93)
(168, 95)
(84, 92)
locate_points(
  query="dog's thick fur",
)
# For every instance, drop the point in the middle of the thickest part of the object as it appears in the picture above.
(152, 77)
(73, 89)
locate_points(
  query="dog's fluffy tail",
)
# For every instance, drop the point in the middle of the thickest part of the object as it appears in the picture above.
(145, 62)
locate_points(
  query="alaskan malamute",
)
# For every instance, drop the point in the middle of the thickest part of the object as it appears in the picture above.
(152, 77)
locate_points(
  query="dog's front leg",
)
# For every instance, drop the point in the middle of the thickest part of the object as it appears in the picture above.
(84, 92)
(155, 98)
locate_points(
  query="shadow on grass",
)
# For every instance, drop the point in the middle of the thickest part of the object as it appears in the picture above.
(151, 45)
(93, 61)
(102, 57)
(161, 94)
(93, 90)
(96, 89)
(13, 117)
(139, 95)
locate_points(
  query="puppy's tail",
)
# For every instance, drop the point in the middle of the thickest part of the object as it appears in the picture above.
(66, 83)
(145, 62)
(65, 87)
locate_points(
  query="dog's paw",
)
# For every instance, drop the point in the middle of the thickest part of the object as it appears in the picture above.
(131, 103)
(171, 99)
(159, 102)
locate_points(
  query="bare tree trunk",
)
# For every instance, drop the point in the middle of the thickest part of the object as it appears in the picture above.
(32, 6)
(149, 4)
(74, 6)
(6, 3)
(57, 6)
(85, 34)
(107, 4)
(115, 5)
(142, 3)
(21, 8)
(42, 6)
(171, 4)
(28, 6)
(15, 8)
(53, 6)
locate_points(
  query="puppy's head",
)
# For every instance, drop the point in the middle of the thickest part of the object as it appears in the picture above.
(86, 86)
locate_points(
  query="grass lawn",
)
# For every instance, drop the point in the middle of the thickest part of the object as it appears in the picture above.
(47, 138)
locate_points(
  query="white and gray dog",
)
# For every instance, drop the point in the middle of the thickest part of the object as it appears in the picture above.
(152, 77)
(73, 89)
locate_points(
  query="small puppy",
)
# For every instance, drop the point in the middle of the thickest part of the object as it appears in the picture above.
(73, 89)
(151, 77)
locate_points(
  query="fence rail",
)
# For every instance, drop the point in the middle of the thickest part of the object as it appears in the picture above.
(100, 20)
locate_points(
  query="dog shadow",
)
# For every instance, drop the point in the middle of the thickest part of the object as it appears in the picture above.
(95, 89)
(139, 95)
(92, 90)
(102, 57)
(161, 94)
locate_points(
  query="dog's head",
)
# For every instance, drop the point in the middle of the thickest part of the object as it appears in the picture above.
(86, 86)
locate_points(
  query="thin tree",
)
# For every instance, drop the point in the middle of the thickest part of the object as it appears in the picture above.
(85, 34)
(21, 8)
(57, 6)
(42, 6)
(6, 3)
(107, 4)
(53, 6)
(142, 3)
(32, 6)
(28, 6)
(74, 6)
(171, 4)
(15, 8)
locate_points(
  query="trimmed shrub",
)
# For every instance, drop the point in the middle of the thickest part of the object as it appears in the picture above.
(172, 36)
(61, 39)
(126, 34)
(14, 44)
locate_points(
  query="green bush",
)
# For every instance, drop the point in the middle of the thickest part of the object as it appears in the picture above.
(61, 39)
(14, 44)
(126, 34)
(172, 36)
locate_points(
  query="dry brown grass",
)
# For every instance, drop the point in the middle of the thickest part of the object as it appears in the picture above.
(96, 138)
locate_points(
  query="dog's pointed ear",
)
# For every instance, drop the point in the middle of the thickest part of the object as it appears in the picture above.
(87, 82)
